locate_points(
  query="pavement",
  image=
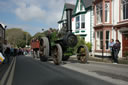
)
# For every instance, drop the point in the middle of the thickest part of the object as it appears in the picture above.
(7, 72)
(29, 71)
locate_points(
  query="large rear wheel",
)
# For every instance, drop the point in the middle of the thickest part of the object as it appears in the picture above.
(57, 54)
(44, 49)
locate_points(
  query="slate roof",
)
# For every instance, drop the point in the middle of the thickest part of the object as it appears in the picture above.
(87, 3)
(67, 5)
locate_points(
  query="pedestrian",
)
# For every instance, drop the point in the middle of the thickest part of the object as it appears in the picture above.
(12, 51)
(6, 51)
(15, 52)
(111, 48)
(116, 48)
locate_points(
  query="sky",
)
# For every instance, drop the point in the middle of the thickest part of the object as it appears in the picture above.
(32, 15)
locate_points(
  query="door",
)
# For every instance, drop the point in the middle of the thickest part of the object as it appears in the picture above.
(125, 43)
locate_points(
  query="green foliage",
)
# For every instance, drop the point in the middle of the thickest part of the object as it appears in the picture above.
(80, 42)
(21, 43)
(39, 35)
(89, 45)
(17, 37)
(53, 37)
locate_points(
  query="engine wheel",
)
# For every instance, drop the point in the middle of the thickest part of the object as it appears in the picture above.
(83, 54)
(44, 49)
(57, 54)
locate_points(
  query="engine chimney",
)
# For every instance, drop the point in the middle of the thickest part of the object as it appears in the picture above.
(69, 19)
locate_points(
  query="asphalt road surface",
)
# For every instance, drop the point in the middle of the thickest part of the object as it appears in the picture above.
(31, 71)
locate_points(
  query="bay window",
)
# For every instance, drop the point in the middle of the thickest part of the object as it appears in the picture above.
(99, 10)
(107, 11)
(124, 9)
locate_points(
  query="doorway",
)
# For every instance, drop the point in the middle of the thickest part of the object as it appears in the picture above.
(125, 43)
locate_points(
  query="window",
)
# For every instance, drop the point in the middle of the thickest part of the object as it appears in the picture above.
(83, 21)
(107, 39)
(99, 10)
(99, 39)
(107, 9)
(77, 22)
(124, 9)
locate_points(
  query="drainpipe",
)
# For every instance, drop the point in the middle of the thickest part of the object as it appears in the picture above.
(113, 19)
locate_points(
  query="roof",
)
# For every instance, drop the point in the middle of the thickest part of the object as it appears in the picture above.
(87, 3)
(67, 6)
(71, 6)
(3, 26)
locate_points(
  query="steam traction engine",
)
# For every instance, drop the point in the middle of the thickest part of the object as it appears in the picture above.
(60, 46)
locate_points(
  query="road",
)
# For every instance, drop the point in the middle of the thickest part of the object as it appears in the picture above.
(31, 71)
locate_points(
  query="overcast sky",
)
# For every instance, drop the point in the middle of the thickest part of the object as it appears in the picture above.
(32, 15)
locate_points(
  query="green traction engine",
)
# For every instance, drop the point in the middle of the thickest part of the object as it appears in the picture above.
(61, 49)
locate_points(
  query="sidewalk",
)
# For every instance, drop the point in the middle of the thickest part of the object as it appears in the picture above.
(5, 71)
(103, 60)
(107, 60)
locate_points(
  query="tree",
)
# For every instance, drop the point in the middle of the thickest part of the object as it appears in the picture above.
(17, 37)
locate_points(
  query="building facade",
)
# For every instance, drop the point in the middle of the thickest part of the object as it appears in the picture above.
(110, 22)
(2, 35)
(82, 22)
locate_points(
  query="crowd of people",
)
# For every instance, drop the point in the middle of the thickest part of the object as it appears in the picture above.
(7, 51)
(115, 48)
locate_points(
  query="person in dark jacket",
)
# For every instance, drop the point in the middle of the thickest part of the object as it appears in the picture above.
(6, 51)
(7, 54)
(116, 48)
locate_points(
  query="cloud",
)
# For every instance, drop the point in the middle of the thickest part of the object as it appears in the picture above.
(30, 12)
(47, 11)
(34, 13)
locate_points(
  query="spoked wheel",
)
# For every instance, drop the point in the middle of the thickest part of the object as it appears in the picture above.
(83, 54)
(44, 49)
(57, 54)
